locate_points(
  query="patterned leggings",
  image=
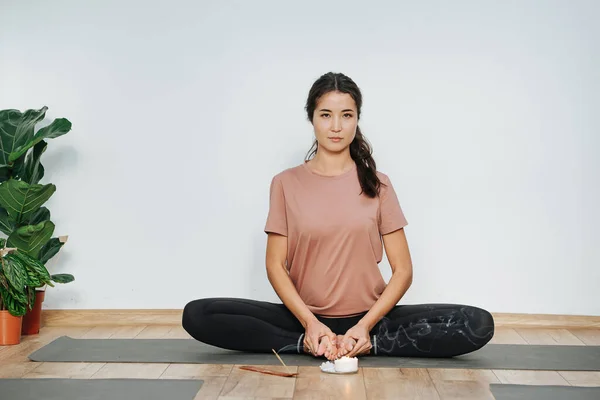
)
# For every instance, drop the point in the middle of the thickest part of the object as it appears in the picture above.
(425, 330)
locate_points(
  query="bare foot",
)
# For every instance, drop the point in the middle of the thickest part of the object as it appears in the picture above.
(306, 350)
(327, 349)
(345, 348)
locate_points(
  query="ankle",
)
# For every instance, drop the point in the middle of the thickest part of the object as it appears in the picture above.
(300, 345)
(374, 344)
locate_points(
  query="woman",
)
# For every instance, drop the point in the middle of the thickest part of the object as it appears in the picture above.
(328, 221)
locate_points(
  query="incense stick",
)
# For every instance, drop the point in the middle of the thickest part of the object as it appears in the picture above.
(280, 360)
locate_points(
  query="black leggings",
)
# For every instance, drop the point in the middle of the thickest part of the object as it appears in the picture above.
(427, 330)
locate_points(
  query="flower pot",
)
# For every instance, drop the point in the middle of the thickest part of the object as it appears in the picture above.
(32, 320)
(10, 329)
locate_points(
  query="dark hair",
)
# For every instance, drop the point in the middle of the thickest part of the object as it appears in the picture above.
(360, 149)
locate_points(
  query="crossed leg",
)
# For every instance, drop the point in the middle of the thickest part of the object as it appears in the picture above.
(424, 330)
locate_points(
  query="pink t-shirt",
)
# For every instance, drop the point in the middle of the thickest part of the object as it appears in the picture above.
(334, 237)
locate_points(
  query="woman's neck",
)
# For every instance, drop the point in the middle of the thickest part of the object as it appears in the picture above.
(331, 164)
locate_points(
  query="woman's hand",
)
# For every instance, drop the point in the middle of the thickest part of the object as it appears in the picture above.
(355, 342)
(320, 340)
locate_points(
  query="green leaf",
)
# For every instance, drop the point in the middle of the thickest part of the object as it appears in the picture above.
(3, 298)
(33, 279)
(21, 199)
(40, 215)
(17, 309)
(18, 168)
(6, 224)
(63, 278)
(50, 249)
(33, 170)
(30, 239)
(57, 128)
(34, 266)
(16, 130)
(3, 281)
(18, 295)
(15, 271)
(11, 304)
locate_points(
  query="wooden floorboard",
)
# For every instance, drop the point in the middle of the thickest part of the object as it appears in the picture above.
(507, 336)
(591, 337)
(549, 336)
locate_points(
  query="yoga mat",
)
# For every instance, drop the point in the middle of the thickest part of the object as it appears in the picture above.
(99, 389)
(535, 392)
(189, 351)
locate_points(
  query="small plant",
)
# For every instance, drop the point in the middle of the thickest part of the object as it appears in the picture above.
(19, 275)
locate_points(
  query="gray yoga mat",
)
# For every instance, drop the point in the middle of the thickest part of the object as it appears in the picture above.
(189, 351)
(535, 392)
(99, 389)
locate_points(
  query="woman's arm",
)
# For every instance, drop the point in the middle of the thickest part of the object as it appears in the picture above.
(285, 289)
(356, 340)
(281, 281)
(398, 255)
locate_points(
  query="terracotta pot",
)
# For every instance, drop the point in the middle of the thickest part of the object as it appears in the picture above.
(33, 319)
(10, 329)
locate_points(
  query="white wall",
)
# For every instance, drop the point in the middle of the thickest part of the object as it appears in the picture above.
(484, 115)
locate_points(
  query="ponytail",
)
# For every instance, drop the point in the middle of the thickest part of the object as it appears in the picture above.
(361, 153)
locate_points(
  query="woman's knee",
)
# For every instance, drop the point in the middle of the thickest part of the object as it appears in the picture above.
(194, 316)
(481, 324)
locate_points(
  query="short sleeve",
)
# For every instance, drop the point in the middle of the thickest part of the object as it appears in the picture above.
(276, 219)
(391, 216)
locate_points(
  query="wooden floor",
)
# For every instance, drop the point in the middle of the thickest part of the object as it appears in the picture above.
(229, 382)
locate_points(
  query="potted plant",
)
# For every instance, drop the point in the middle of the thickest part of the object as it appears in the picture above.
(19, 275)
(23, 218)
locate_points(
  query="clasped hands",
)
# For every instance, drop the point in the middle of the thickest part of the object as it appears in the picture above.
(319, 340)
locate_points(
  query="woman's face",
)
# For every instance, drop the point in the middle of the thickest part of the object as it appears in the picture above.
(335, 121)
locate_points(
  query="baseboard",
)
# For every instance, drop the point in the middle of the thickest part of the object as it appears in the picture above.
(110, 317)
(173, 317)
(555, 321)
